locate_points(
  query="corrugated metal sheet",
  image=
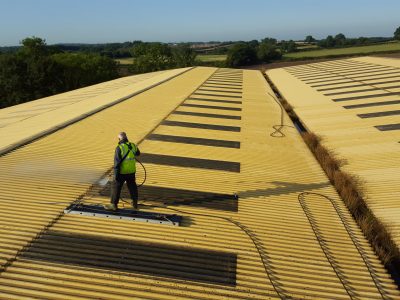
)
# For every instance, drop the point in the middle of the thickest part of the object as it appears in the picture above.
(22, 123)
(268, 244)
(362, 127)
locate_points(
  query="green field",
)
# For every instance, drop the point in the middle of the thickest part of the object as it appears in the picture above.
(344, 51)
(211, 57)
(125, 61)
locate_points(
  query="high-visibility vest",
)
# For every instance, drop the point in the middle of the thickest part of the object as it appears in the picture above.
(128, 166)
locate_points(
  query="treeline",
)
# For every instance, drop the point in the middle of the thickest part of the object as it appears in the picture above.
(150, 57)
(268, 49)
(121, 50)
(112, 50)
(340, 40)
(253, 52)
(36, 70)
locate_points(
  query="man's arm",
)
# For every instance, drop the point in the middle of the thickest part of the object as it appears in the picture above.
(117, 160)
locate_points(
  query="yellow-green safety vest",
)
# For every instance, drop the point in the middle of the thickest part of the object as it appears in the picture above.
(128, 166)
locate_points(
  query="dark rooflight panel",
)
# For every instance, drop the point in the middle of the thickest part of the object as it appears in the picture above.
(361, 71)
(372, 104)
(212, 107)
(364, 90)
(217, 116)
(358, 78)
(214, 100)
(193, 141)
(366, 96)
(330, 80)
(218, 91)
(224, 84)
(388, 127)
(235, 83)
(134, 256)
(380, 114)
(346, 69)
(189, 162)
(359, 85)
(201, 126)
(225, 78)
(354, 81)
(217, 95)
(210, 85)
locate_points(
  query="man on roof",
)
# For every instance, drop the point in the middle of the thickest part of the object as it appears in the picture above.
(124, 171)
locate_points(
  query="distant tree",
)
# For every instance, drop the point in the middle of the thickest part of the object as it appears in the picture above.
(241, 54)
(340, 40)
(34, 46)
(183, 56)
(41, 74)
(397, 33)
(328, 42)
(254, 43)
(28, 74)
(149, 57)
(288, 46)
(267, 52)
(83, 69)
(37, 70)
(268, 40)
(309, 39)
(13, 77)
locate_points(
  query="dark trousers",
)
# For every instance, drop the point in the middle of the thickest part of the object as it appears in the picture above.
(130, 180)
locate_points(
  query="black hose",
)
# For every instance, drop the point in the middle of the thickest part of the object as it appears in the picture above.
(353, 238)
(145, 173)
(256, 241)
(278, 128)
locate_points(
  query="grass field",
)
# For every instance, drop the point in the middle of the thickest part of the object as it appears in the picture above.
(344, 51)
(307, 47)
(209, 57)
(125, 61)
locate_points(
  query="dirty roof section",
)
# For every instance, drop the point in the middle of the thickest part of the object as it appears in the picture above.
(204, 136)
(354, 104)
(22, 123)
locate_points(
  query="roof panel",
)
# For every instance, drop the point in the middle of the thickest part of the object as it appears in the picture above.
(366, 134)
(261, 245)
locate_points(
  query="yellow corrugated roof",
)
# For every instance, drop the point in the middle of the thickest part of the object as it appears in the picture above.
(354, 104)
(265, 245)
(20, 124)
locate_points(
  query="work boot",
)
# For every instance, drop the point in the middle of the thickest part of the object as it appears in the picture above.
(134, 204)
(111, 207)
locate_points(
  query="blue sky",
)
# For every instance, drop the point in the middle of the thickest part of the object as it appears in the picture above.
(92, 21)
